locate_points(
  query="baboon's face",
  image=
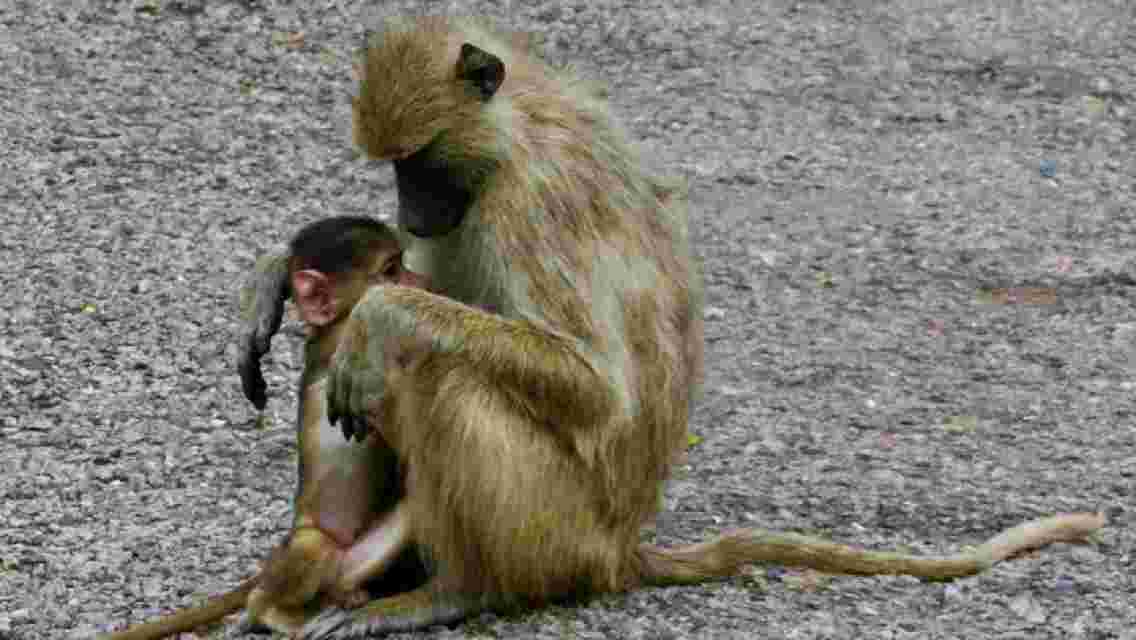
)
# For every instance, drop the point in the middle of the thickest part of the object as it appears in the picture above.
(422, 103)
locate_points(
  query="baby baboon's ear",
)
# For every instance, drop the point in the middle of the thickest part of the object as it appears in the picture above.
(482, 70)
(314, 295)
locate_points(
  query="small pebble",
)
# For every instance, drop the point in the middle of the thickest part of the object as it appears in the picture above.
(1048, 168)
(1101, 85)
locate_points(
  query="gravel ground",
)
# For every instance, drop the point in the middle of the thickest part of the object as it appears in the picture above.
(917, 225)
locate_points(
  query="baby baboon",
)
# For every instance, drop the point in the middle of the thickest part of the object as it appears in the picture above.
(535, 409)
(348, 527)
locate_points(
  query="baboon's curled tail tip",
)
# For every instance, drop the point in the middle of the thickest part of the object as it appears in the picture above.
(725, 555)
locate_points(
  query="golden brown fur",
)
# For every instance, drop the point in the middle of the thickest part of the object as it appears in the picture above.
(537, 407)
(567, 200)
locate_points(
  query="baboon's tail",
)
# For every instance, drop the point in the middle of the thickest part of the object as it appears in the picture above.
(725, 555)
(190, 618)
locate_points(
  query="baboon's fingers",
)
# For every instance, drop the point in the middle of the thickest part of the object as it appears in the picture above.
(342, 405)
(326, 625)
(333, 390)
(408, 611)
(357, 376)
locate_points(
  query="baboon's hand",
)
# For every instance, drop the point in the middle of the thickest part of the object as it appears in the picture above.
(262, 308)
(356, 378)
(390, 330)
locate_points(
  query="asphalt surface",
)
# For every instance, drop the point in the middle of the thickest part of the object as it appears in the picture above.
(916, 221)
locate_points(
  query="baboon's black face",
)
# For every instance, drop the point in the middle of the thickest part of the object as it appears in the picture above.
(430, 201)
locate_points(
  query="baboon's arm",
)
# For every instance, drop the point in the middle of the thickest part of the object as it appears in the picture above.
(543, 372)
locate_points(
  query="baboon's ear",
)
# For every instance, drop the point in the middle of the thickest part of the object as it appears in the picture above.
(314, 295)
(482, 70)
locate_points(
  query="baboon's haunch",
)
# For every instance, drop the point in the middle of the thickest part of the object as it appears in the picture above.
(536, 408)
(348, 527)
